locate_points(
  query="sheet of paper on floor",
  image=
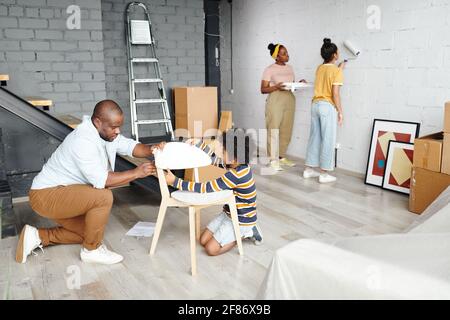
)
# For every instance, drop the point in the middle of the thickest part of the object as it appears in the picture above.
(142, 229)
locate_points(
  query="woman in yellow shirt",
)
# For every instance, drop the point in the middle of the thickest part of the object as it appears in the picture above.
(326, 112)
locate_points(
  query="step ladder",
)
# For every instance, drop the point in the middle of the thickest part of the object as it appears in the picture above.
(139, 35)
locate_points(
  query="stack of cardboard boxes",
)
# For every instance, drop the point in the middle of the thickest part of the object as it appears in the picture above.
(196, 111)
(196, 116)
(431, 167)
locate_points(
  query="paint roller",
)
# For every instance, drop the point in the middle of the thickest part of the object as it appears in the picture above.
(356, 52)
(353, 49)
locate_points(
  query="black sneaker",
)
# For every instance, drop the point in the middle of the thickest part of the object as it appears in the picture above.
(257, 235)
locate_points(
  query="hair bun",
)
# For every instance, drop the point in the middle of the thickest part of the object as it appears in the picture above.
(271, 47)
(326, 41)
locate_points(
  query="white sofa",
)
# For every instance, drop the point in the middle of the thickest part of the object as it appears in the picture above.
(410, 265)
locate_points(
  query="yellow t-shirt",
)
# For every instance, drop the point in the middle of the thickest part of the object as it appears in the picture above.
(327, 75)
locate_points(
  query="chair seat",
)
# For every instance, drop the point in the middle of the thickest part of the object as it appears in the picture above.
(195, 198)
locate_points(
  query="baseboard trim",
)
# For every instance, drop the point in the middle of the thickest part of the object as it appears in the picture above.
(340, 170)
(301, 161)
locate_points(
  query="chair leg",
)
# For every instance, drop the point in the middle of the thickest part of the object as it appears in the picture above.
(237, 232)
(158, 227)
(197, 224)
(193, 240)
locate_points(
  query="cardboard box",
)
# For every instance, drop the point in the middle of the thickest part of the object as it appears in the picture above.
(426, 186)
(446, 154)
(205, 173)
(226, 121)
(196, 104)
(447, 118)
(428, 152)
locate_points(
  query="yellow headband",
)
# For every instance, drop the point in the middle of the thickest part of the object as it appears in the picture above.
(275, 52)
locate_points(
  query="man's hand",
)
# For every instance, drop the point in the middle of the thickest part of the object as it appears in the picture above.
(159, 146)
(116, 179)
(145, 169)
(144, 150)
(342, 64)
(170, 177)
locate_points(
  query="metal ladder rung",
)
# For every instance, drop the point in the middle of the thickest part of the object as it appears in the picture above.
(149, 101)
(148, 60)
(147, 80)
(152, 121)
(139, 32)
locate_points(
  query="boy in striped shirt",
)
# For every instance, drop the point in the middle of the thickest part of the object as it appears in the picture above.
(218, 237)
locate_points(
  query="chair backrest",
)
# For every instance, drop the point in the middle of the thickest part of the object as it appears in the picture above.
(178, 155)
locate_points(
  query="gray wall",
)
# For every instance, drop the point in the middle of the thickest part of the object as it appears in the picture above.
(2, 158)
(44, 58)
(178, 26)
(77, 68)
(225, 55)
(26, 150)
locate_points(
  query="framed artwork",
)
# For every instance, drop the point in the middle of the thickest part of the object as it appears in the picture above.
(399, 162)
(384, 131)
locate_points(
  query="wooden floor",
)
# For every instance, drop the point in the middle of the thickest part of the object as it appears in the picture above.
(289, 208)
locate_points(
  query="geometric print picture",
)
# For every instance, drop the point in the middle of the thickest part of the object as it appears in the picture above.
(383, 132)
(397, 176)
(382, 149)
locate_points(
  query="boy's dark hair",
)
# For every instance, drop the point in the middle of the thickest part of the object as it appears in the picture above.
(238, 145)
(328, 50)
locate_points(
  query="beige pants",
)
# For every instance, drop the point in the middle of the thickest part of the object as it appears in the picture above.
(81, 211)
(280, 111)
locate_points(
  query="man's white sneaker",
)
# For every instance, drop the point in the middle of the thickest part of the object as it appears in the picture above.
(310, 173)
(326, 178)
(28, 241)
(100, 255)
(275, 165)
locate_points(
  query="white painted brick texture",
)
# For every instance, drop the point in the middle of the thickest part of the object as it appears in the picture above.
(402, 74)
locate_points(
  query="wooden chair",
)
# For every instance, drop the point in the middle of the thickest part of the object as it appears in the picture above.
(178, 155)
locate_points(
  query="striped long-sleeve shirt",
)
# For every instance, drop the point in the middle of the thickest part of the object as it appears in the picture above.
(217, 161)
(240, 180)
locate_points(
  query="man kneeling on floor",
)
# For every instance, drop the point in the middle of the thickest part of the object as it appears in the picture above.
(72, 188)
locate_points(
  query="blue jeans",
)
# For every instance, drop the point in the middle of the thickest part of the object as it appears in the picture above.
(322, 137)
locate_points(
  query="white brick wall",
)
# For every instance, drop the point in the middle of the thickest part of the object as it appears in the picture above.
(402, 74)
